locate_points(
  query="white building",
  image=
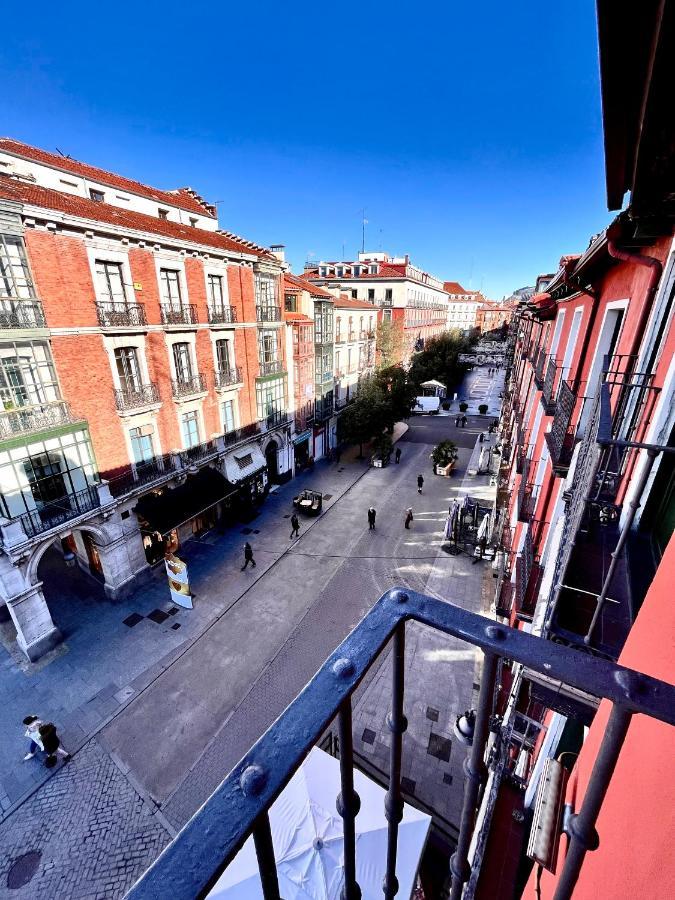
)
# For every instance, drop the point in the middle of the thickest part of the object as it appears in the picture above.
(355, 323)
(463, 306)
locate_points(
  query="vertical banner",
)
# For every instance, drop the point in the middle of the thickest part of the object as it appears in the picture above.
(179, 586)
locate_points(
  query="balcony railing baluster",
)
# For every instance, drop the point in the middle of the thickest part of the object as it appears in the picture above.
(397, 723)
(264, 850)
(348, 802)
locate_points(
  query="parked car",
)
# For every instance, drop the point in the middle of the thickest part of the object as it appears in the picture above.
(309, 502)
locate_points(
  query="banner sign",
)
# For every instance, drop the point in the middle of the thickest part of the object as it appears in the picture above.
(179, 586)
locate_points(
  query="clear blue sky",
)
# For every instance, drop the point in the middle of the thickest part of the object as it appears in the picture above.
(470, 132)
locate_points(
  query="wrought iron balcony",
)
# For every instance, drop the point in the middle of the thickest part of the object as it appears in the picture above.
(548, 387)
(276, 418)
(179, 315)
(222, 314)
(560, 440)
(323, 408)
(201, 451)
(121, 315)
(225, 378)
(29, 419)
(539, 365)
(239, 807)
(241, 434)
(59, 511)
(129, 398)
(143, 473)
(272, 367)
(186, 387)
(21, 314)
(268, 313)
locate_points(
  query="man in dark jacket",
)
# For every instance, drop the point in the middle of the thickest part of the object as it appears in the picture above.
(295, 526)
(52, 745)
(398, 455)
(248, 556)
(372, 512)
(420, 483)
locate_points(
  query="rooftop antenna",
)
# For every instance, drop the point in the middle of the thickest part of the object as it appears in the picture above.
(363, 230)
(380, 247)
(64, 155)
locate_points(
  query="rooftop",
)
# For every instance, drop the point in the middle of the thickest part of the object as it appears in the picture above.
(296, 282)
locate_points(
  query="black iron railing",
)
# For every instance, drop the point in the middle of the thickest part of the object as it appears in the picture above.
(559, 439)
(268, 313)
(134, 397)
(323, 408)
(143, 473)
(239, 807)
(28, 419)
(241, 434)
(198, 452)
(271, 367)
(121, 315)
(179, 315)
(59, 511)
(22, 314)
(185, 387)
(226, 377)
(222, 314)
(547, 390)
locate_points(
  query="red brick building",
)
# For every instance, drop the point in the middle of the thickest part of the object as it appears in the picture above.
(141, 348)
(493, 316)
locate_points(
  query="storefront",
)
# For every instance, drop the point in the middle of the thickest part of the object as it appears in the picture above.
(246, 471)
(302, 444)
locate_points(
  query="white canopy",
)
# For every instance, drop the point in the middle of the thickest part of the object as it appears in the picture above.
(433, 383)
(243, 462)
(307, 837)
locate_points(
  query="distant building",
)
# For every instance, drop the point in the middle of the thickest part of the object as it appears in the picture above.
(463, 306)
(355, 323)
(493, 316)
(414, 301)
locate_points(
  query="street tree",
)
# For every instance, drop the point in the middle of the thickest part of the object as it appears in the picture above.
(398, 393)
(366, 416)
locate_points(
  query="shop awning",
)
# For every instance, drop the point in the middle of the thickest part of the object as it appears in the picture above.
(170, 508)
(239, 464)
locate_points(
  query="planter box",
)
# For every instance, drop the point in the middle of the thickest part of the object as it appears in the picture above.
(446, 470)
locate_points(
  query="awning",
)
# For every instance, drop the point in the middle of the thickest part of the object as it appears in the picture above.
(171, 508)
(305, 436)
(245, 461)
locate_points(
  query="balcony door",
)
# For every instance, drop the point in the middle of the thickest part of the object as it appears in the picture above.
(171, 293)
(224, 355)
(47, 483)
(110, 282)
(128, 370)
(182, 362)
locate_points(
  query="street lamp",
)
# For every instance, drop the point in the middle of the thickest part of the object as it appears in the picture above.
(465, 726)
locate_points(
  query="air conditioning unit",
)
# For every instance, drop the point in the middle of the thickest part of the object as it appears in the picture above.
(546, 828)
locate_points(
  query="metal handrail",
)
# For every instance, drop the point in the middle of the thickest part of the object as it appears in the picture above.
(184, 387)
(268, 313)
(226, 377)
(115, 314)
(195, 859)
(272, 367)
(221, 314)
(28, 419)
(58, 511)
(186, 314)
(133, 397)
(21, 314)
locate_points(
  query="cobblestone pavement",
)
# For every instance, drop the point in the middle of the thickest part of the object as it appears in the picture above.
(93, 831)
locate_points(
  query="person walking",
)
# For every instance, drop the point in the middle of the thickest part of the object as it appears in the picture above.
(464, 421)
(457, 421)
(420, 483)
(397, 455)
(51, 744)
(372, 513)
(248, 556)
(32, 732)
(408, 516)
(295, 526)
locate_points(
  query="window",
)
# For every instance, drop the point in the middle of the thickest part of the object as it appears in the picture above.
(142, 450)
(190, 428)
(337, 362)
(340, 271)
(354, 294)
(126, 361)
(228, 415)
(267, 346)
(224, 354)
(350, 335)
(290, 303)
(373, 270)
(109, 281)
(163, 213)
(270, 396)
(182, 361)
(371, 295)
(338, 329)
(357, 271)
(27, 375)
(266, 290)
(389, 294)
(193, 222)
(15, 279)
(170, 284)
(97, 196)
(215, 289)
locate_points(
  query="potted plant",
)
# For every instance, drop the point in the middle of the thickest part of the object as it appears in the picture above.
(382, 446)
(444, 456)
(483, 408)
(463, 406)
(445, 405)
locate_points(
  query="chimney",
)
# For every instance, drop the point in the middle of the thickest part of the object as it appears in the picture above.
(278, 250)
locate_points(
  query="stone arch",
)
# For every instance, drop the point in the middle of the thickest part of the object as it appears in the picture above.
(40, 550)
(271, 450)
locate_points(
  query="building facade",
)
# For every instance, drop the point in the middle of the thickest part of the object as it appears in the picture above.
(493, 316)
(463, 307)
(410, 302)
(299, 317)
(355, 323)
(142, 349)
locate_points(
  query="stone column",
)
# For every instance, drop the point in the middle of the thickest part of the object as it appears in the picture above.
(122, 559)
(36, 633)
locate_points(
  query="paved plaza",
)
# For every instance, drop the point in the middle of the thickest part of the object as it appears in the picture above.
(168, 711)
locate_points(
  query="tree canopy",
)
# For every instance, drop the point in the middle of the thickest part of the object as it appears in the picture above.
(382, 400)
(440, 359)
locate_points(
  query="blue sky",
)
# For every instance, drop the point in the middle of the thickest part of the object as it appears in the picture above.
(470, 132)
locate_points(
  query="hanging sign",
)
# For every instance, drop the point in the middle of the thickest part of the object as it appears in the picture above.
(179, 585)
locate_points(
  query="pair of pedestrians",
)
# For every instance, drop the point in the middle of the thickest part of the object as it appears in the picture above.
(44, 738)
(372, 515)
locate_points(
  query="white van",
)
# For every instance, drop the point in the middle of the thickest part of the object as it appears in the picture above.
(427, 406)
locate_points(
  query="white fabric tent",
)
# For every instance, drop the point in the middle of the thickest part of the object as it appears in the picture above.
(307, 837)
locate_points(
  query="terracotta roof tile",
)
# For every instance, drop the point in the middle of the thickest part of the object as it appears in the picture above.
(185, 198)
(454, 287)
(345, 302)
(22, 192)
(305, 285)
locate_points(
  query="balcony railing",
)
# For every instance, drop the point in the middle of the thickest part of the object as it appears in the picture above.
(559, 439)
(135, 397)
(222, 315)
(59, 511)
(272, 367)
(241, 434)
(186, 387)
(226, 377)
(539, 366)
(268, 313)
(29, 419)
(121, 315)
(22, 314)
(199, 452)
(276, 418)
(323, 409)
(548, 387)
(179, 315)
(239, 807)
(143, 473)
